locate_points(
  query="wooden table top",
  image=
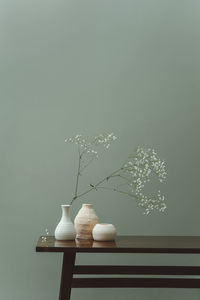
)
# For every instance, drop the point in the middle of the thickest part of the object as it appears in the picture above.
(124, 244)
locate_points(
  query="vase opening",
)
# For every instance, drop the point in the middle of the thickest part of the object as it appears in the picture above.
(87, 205)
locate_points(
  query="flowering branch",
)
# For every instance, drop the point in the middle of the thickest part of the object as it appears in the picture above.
(133, 174)
(86, 151)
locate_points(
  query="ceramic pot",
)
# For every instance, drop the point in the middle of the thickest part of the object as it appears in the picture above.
(65, 229)
(104, 232)
(85, 221)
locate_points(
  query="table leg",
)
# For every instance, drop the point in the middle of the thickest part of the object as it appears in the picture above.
(67, 275)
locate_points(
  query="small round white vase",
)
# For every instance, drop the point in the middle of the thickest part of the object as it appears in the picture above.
(104, 232)
(65, 229)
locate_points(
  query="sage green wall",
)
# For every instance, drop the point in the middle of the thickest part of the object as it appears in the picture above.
(67, 67)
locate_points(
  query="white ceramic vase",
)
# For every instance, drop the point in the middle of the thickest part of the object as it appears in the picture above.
(85, 221)
(104, 232)
(65, 229)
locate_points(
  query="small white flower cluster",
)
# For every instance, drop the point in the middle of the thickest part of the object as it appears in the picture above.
(146, 161)
(150, 204)
(104, 139)
(87, 147)
(44, 238)
(87, 144)
(78, 140)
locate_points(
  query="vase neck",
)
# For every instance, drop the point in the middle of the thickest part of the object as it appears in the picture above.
(87, 205)
(65, 211)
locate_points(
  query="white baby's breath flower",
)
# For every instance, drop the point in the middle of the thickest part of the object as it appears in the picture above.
(143, 163)
(87, 146)
(135, 173)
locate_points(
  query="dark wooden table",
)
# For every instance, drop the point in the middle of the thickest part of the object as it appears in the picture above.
(124, 244)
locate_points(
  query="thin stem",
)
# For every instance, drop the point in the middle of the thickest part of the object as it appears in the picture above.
(116, 190)
(96, 185)
(87, 164)
(124, 177)
(77, 176)
(122, 184)
(127, 181)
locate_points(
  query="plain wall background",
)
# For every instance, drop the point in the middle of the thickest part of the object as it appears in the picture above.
(68, 67)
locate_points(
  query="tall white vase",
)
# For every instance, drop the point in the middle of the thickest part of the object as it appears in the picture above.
(65, 229)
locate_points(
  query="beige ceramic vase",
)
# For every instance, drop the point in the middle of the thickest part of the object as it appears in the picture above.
(85, 221)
